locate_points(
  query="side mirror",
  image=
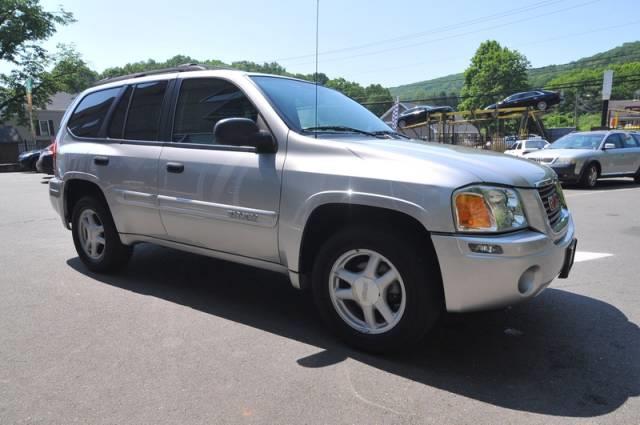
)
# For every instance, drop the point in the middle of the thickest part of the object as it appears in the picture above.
(243, 132)
(608, 146)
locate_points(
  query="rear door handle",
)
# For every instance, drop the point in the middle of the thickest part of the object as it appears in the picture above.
(175, 167)
(101, 160)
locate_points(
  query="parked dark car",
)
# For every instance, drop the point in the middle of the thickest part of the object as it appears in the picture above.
(538, 99)
(28, 159)
(45, 161)
(419, 114)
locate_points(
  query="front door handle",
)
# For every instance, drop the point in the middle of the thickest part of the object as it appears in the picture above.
(101, 160)
(175, 167)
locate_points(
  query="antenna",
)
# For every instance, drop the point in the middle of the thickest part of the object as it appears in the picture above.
(316, 74)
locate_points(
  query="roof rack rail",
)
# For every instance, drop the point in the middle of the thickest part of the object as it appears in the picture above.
(180, 68)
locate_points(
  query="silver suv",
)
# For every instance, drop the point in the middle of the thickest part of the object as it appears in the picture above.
(584, 157)
(284, 175)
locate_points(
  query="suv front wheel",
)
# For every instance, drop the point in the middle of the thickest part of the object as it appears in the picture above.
(96, 238)
(378, 290)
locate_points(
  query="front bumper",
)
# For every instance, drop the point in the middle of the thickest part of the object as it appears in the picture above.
(566, 173)
(530, 261)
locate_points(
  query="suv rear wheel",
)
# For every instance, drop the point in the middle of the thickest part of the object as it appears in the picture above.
(96, 238)
(375, 289)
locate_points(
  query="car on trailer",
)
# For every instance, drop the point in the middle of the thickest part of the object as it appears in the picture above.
(538, 99)
(419, 114)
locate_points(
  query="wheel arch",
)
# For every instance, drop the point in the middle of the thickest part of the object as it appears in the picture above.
(327, 218)
(76, 188)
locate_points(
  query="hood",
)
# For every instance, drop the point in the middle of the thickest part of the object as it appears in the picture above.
(472, 165)
(560, 153)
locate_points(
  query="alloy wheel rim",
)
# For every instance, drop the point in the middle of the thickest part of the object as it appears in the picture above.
(593, 176)
(367, 291)
(91, 234)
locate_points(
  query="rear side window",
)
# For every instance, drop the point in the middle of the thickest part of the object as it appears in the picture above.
(629, 141)
(116, 126)
(90, 113)
(202, 103)
(143, 119)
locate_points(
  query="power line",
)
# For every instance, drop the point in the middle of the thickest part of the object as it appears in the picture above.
(493, 27)
(432, 31)
(600, 29)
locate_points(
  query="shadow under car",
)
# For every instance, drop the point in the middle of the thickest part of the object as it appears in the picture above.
(560, 354)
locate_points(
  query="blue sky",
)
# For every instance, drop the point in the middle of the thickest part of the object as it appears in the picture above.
(369, 41)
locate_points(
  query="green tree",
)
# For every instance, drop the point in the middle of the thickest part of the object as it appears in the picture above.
(349, 88)
(374, 94)
(24, 25)
(495, 72)
(71, 73)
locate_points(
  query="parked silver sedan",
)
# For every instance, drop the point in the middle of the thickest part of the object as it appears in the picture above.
(585, 157)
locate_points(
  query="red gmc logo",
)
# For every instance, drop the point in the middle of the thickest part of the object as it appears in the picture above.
(554, 202)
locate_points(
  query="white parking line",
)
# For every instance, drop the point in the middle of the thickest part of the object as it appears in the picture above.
(588, 256)
(593, 192)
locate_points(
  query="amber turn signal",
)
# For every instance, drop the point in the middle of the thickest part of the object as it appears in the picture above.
(472, 212)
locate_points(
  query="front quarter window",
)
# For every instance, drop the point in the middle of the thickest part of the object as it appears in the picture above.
(295, 102)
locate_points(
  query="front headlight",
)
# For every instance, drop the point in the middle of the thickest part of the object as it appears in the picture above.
(488, 209)
(564, 161)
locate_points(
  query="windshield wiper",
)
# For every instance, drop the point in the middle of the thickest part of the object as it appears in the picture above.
(390, 133)
(341, 128)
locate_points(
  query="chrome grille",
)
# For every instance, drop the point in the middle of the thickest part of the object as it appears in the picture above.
(543, 160)
(553, 208)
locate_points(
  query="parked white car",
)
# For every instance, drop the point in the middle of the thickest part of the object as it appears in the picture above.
(523, 147)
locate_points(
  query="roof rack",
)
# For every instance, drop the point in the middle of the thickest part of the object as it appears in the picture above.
(187, 67)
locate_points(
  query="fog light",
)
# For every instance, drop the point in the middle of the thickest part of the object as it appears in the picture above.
(484, 248)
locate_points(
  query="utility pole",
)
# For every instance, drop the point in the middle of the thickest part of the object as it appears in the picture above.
(28, 88)
(575, 111)
(607, 83)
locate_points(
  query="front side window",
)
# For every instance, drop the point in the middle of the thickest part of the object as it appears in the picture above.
(90, 113)
(143, 119)
(616, 139)
(202, 103)
(295, 102)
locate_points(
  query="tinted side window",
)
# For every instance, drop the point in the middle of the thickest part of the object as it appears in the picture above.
(116, 126)
(615, 139)
(143, 119)
(90, 113)
(629, 142)
(202, 103)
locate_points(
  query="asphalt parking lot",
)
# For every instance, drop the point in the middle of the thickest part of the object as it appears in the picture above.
(179, 338)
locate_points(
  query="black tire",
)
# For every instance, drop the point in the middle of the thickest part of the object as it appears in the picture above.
(32, 164)
(542, 105)
(636, 178)
(586, 180)
(418, 270)
(114, 255)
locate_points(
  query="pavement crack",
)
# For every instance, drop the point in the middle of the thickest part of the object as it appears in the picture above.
(363, 398)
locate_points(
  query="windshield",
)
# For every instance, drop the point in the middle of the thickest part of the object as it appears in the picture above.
(535, 144)
(295, 102)
(578, 141)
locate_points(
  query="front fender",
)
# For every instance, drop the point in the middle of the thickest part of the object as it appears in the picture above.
(292, 229)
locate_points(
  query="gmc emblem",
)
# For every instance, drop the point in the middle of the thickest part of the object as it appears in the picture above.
(554, 202)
